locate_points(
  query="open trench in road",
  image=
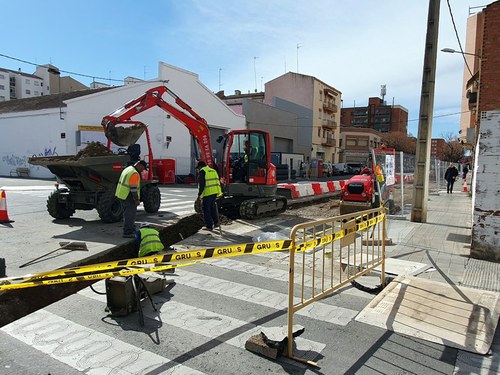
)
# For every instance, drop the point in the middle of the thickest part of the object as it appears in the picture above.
(17, 303)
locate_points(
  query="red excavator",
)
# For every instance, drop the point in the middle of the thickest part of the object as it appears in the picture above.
(248, 177)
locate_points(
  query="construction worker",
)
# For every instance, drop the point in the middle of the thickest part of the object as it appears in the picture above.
(149, 241)
(128, 191)
(208, 191)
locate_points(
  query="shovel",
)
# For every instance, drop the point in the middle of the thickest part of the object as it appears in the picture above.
(81, 246)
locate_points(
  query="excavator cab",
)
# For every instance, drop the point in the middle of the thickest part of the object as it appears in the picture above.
(249, 177)
(247, 157)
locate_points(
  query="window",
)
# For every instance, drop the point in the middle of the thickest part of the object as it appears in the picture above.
(37, 83)
(2, 76)
(28, 81)
(2, 98)
(350, 142)
(319, 132)
(362, 142)
(2, 87)
(28, 92)
(36, 93)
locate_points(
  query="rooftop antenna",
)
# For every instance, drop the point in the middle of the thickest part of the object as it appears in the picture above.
(220, 70)
(255, 72)
(298, 46)
(383, 91)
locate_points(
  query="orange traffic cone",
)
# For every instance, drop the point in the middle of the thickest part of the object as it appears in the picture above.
(464, 189)
(4, 216)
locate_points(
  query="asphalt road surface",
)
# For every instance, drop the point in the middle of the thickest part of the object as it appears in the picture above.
(203, 320)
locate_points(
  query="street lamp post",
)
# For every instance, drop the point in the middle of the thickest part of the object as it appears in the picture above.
(451, 50)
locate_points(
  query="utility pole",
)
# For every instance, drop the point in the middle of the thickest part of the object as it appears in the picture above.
(422, 167)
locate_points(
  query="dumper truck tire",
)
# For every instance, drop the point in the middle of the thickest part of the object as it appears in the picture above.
(109, 207)
(151, 198)
(57, 209)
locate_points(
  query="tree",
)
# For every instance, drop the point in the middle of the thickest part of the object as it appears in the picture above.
(400, 141)
(453, 150)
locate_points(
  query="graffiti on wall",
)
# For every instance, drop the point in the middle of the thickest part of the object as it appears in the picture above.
(14, 160)
(22, 160)
(48, 152)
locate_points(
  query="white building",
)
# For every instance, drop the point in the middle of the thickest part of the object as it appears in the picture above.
(19, 85)
(64, 124)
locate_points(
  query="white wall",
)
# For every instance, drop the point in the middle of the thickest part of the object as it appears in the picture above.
(30, 133)
(188, 87)
(486, 221)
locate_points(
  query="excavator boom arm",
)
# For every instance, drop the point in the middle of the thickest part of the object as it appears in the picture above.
(197, 126)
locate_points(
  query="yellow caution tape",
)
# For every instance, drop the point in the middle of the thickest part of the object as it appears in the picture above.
(129, 271)
(176, 259)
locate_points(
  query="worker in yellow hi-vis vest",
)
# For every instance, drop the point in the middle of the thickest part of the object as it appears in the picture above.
(149, 241)
(128, 191)
(208, 191)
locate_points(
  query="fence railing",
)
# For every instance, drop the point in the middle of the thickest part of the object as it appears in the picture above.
(327, 254)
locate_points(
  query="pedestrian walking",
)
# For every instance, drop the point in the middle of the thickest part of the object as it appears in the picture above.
(450, 176)
(208, 191)
(465, 170)
(128, 191)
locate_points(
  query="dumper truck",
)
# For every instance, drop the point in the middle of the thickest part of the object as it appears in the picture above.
(87, 181)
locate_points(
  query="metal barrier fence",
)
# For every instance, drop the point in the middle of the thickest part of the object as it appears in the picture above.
(337, 251)
(402, 193)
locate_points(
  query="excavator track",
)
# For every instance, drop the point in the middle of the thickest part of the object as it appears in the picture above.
(262, 207)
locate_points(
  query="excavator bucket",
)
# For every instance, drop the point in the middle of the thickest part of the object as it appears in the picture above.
(124, 136)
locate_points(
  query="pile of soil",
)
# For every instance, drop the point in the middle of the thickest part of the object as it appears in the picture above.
(93, 149)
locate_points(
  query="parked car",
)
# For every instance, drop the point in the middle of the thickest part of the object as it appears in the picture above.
(355, 168)
(341, 168)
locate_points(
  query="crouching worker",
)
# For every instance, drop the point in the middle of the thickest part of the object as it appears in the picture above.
(149, 241)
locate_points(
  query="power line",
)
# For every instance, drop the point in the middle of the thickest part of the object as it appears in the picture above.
(63, 71)
(288, 125)
(458, 38)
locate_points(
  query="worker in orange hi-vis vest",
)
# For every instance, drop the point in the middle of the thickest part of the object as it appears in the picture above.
(128, 191)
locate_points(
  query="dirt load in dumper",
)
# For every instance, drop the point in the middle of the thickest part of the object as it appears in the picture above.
(88, 181)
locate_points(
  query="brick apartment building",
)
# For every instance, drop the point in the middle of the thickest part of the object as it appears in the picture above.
(481, 89)
(377, 115)
(437, 148)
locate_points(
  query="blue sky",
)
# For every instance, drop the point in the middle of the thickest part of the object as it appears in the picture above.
(353, 45)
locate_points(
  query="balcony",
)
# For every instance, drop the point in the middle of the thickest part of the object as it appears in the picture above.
(472, 96)
(329, 124)
(330, 107)
(329, 142)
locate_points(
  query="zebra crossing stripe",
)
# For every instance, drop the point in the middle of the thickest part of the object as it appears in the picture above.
(86, 349)
(181, 316)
